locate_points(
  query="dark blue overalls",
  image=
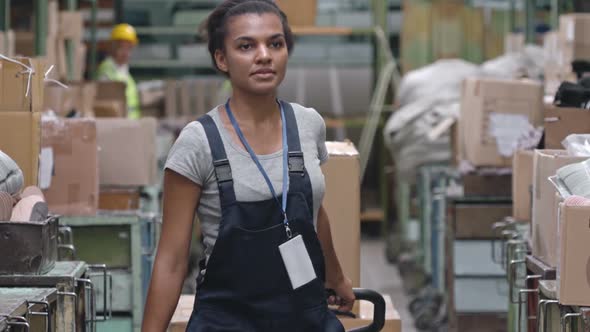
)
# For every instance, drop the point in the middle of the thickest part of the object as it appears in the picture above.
(245, 286)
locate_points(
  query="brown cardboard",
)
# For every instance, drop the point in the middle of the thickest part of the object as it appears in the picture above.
(79, 62)
(119, 199)
(111, 90)
(342, 204)
(20, 138)
(53, 17)
(7, 43)
(561, 122)
(182, 314)
(299, 12)
(171, 99)
(24, 46)
(484, 96)
(185, 93)
(24, 43)
(71, 25)
(522, 185)
(573, 271)
(74, 181)
(393, 321)
(574, 31)
(109, 109)
(127, 155)
(487, 185)
(544, 236)
(474, 221)
(14, 83)
(78, 97)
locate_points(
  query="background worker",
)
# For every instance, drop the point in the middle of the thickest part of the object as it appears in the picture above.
(116, 66)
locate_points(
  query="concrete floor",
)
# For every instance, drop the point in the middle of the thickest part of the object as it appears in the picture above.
(379, 275)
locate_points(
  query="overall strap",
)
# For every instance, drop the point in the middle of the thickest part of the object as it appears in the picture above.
(221, 164)
(296, 161)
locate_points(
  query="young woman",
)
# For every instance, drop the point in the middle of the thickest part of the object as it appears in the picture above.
(251, 171)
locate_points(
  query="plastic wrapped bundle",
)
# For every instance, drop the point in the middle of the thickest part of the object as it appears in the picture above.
(11, 176)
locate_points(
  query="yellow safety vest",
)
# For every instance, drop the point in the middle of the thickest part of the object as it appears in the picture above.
(108, 70)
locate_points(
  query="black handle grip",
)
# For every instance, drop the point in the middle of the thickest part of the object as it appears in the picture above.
(378, 309)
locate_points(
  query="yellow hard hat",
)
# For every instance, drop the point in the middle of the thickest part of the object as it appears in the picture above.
(125, 32)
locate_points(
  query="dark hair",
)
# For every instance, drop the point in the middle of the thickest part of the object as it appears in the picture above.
(217, 21)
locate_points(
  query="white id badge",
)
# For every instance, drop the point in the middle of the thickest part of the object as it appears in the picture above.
(297, 262)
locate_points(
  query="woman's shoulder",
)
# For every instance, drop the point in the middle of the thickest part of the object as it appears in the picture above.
(306, 114)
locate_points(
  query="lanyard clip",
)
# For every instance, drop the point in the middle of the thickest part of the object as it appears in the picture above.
(288, 230)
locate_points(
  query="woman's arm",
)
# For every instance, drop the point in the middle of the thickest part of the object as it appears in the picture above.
(335, 278)
(181, 197)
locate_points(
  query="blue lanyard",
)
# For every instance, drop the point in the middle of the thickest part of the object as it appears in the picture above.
(261, 169)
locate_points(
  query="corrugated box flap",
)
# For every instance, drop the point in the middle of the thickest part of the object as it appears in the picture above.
(341, 149)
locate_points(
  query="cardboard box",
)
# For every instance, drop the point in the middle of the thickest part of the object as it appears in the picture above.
(127, 155)
(80, 62)
(119, 199)
(561, 122)
(544, 236)
(14, 84)
(7, 43)
(522, 185)
(573, 269)
(483, 98)
(78, 97)
(474, 221)
(171, 99)
(182, 314)
(20, 138)
(393, 321)
(74, 178)
(109, 109)
(184, 309)
(476, 185)
(342, 204)
(53, 17)
(71, 25)
(24, 43)
(574, 34)
(112, 91)
(299, 12)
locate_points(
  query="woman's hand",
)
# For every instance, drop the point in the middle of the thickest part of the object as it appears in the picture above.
(344, 295)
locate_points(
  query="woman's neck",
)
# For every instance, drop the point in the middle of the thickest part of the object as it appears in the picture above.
(252, 109)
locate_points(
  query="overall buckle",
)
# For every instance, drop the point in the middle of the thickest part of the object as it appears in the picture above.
(296, 162)
(222, 170)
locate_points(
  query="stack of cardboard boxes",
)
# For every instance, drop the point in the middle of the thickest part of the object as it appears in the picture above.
(495, 116)
(21, 99)
(487, 143)
(559, 233)
(571, 42)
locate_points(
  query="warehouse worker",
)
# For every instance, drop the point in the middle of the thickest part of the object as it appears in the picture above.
(251, 171)
(116, 66)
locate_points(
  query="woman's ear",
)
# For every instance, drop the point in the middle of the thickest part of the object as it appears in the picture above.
(221, 61)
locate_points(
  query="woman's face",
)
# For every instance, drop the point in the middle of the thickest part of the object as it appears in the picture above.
(255, 55)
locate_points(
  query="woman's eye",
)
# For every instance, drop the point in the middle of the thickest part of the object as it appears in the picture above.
(278, 44)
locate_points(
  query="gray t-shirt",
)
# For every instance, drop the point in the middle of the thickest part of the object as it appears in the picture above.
(191, 157)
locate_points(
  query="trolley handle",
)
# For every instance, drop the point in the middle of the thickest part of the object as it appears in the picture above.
(378, 309)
